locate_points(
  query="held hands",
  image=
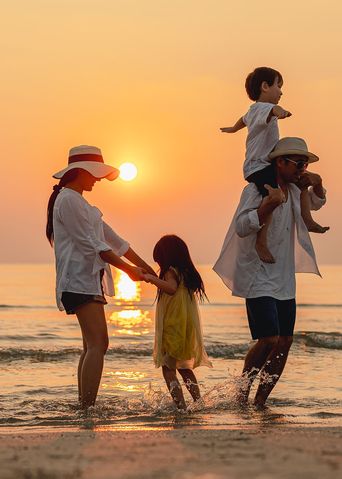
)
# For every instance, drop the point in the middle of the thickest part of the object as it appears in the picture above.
(136, 273)
(280, 113)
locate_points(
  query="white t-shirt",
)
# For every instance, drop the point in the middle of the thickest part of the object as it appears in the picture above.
(278, 279)
(262, 137)
(79, 236)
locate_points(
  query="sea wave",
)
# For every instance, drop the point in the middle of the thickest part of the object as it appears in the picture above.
(316, 339)
(327, 340)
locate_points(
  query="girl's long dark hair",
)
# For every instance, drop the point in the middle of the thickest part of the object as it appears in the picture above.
(172, 251)
(69, 176)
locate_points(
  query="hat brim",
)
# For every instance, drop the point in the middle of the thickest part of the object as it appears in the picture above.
(310, 156)
(98, 170)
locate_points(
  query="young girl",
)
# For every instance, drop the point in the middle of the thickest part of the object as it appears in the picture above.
(178, 338)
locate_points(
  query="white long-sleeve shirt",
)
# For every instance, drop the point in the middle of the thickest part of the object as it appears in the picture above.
(239, 265)
(79, 236)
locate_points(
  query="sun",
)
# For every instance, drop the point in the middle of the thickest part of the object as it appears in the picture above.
(128, 171)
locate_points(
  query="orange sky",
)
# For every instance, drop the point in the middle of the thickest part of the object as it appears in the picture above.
(151, 81)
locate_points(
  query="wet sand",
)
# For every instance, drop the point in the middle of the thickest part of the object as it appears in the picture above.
(258, 453)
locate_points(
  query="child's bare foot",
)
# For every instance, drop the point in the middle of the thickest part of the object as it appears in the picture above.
(314, 227)
(264, 253)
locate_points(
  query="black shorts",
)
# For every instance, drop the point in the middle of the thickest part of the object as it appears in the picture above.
(72, 301)
(271, 317)
(266, 176)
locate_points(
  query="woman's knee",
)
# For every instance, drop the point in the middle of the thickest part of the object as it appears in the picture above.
(100, 343)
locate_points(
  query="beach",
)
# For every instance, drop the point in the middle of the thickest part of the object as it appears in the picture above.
(134, 430)
(263, 453)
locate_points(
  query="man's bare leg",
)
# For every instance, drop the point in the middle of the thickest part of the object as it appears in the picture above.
(174, 387)
(311, 225)
(273, 369)
(191, 383)
(254, 362)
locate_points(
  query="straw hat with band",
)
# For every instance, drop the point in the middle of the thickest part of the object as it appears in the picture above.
(292, 146)
(89, 158)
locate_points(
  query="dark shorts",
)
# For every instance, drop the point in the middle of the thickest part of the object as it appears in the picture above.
(271, 317)
(72, 301)
(266, 176)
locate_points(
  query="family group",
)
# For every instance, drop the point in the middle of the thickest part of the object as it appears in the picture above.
(267, 243)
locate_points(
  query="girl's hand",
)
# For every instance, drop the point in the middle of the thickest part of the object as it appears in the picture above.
(149, 278)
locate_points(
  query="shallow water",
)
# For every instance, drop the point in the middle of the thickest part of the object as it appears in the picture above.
(39, 349)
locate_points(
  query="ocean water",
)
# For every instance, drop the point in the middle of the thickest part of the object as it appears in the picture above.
(39, 349)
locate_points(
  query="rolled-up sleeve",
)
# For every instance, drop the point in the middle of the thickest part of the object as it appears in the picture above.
(74, 216)
(117, 244)
(247, 219)
(316, 201)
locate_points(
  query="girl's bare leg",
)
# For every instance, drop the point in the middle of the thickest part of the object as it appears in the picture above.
(306, 214)
(174, 387)
(261, 243)
(94, 330)
(191, 383)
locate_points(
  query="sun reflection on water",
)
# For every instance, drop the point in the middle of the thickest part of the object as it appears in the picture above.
(126, 290)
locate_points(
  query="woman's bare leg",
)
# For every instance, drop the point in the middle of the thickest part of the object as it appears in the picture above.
(174, 387)
(79, 370)
(191, 383)
(94, 330)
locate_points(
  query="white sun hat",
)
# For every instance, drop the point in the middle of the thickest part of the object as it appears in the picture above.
(292, 146)
(89, 158)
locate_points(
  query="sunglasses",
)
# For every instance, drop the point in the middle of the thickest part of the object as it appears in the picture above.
(301, 164)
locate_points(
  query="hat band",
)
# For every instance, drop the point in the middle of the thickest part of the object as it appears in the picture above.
(85, 157)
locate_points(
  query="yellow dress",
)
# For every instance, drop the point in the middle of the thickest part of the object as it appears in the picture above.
(178, 336)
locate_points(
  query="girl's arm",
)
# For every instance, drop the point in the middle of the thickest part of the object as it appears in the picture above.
(168, 285)
(135, 259)
(233, 129)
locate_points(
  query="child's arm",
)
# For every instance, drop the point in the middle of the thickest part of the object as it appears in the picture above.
(233, 129)
(168, 285)
(279, 112)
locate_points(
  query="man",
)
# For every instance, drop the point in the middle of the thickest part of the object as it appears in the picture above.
(269, 289)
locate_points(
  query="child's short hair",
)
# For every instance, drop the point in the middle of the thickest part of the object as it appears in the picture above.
(255, 79)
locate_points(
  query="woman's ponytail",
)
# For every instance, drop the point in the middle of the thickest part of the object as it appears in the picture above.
(67, 178)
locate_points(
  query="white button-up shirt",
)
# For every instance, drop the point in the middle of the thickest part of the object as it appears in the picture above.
(79, 236)
(239, 265)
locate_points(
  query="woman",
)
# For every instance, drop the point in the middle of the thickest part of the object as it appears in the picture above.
(84, 247)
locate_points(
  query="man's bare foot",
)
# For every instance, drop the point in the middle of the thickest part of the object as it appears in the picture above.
(259, 404)
(264, 253)
(314, 227)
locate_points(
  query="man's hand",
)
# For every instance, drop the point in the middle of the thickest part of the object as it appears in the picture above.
(280, 113)
(275, 195)
(311, 179)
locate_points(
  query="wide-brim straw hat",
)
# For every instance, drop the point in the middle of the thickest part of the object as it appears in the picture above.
(89, 158)
(292, 146)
